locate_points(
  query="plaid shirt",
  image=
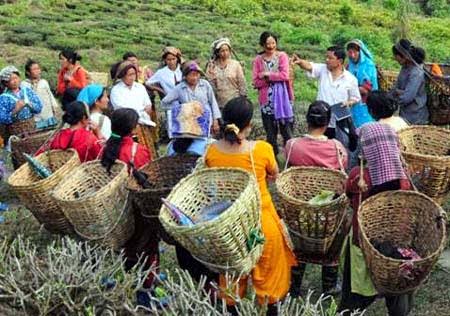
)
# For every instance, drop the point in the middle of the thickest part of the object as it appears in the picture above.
(380, 147)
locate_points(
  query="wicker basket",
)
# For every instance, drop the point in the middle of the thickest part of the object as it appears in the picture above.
(438, 100)
(406, 219)
(33, 192)
(28, 143)
(94, 200)
(21, 127)
(220, 244)
(119, 233)
(163, 174)
(312, 227)
(426, 151)
(386, 79)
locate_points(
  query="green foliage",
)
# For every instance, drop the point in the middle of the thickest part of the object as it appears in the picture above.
(391, 4)
(437, 8)
(345, 13)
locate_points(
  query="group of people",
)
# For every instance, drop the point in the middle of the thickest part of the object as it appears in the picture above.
(351, 127)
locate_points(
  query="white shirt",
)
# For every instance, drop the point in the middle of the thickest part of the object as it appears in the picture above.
(105, 129)
(342, 89)
(166, 78)
(134, 97)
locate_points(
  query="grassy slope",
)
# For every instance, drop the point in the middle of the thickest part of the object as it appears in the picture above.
(104, 30)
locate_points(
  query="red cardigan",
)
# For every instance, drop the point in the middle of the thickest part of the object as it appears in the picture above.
(79, 80)
(142, 156)
(83, 141)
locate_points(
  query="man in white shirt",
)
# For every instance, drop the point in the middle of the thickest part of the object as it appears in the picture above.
(336, 84)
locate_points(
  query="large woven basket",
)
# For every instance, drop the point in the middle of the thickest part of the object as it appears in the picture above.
(34, 192)
(386, 79)
(312, 227)
(221, 244)
(426, 151)
(94, 200)
(438, 99)
(28, 143)
(19, 127)
(406, 219)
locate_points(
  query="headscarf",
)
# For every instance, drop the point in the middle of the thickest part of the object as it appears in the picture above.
(171, 50)
(122, 69)
(217, 44)
(90, 94)
(190, 66)
(364, 69)
(5, 73)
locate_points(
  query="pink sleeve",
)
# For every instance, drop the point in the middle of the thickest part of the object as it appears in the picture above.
(283, 69)
(258, 83)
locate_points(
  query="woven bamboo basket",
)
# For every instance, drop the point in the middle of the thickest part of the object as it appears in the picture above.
(28, 143)
(386, 79)
(94, 200)
(405, 219)
(120, 232)
(426, 151)
(313, 228)
(163, 173)
(34, 192)
(438, 99)
(21, 127)
(221, 244)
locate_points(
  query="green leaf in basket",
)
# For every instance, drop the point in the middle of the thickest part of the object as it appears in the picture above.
(254, 238)
(325, 196)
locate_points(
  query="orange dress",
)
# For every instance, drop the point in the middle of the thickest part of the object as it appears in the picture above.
(272, 274)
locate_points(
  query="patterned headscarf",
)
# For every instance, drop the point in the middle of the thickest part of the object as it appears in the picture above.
(171, 50)
(5, 73)
(122, 69)
(217, 44)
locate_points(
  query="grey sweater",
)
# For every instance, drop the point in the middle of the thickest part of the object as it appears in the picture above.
(411, 94)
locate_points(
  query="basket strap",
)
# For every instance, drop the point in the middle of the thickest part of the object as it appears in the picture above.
(250, 149)
(289, 153)
(340, 156)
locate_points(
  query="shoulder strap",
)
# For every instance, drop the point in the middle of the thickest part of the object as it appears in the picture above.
(251, 148)
(289, 153)
(101, 121)
(340, 155)
(133, 152)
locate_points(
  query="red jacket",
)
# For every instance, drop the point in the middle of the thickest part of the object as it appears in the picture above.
(79, 80)
(83, 141)
(141, 157)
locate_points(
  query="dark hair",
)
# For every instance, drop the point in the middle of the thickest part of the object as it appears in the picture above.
(405, 44)
(353, 46)
(71, 55)
(265, 35)
(381, 105)
(128, 55)
(338, 51)
(169, 53)
(75, 112)
(318, 115)
(30, 62)
(123, 121)
(181, 145)
(238, 111)
(418, 54)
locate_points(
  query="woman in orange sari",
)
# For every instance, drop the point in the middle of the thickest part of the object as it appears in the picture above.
(272, 274)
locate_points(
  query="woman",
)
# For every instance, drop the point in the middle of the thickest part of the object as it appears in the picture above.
(409, 89)
(122, 146)
(18, 103)
(193, 88)
(143, 72)
(51, 112)
(225, 74)
(166, 78)
(315, 149)
(271, 275)
(127, 93)
(82, 135)
(96, 98)
(71, 77)
(382, 107)
(384, 171)
(276, 96)
(362, 66)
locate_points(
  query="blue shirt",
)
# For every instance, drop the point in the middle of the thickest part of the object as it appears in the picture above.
(8, 101)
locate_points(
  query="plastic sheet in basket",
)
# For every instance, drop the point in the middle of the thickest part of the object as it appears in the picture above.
(220, 244)
(406, 219)
(312, 227)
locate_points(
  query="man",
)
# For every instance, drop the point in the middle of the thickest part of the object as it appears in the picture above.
(336, 86)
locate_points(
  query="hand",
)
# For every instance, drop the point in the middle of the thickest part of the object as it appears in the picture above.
(94, 128)
(67, 77)
(148, 109)
(216, 127)
(295, 59)
(19, 106)
(362, 185)
(263, 75)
